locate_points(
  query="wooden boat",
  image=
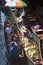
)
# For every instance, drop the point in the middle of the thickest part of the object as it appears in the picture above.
(34, 19)
(10, 59)
(30, 45)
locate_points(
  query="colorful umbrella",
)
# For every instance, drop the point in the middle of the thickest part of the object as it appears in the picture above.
(10, 3)
(20, 3)
(15, 3)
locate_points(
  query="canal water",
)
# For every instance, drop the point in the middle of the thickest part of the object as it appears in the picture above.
(3, 59)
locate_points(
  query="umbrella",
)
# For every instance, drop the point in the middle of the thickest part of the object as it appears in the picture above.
(10, 3)
(15, 3)
(20, 3)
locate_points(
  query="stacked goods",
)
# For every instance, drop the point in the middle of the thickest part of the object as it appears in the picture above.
(32, 50)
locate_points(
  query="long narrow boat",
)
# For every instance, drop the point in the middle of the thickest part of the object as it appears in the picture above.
(36, 25)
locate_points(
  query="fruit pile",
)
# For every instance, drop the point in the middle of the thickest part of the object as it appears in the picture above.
(32, 50)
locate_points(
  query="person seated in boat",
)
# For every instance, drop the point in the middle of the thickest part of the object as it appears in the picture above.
(22, 30)
(9, 32)
(14, 52)
(11, 36)
(8, 29)
(14, 38)
(14, 41)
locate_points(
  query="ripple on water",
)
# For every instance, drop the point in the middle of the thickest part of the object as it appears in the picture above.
(3, 59)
